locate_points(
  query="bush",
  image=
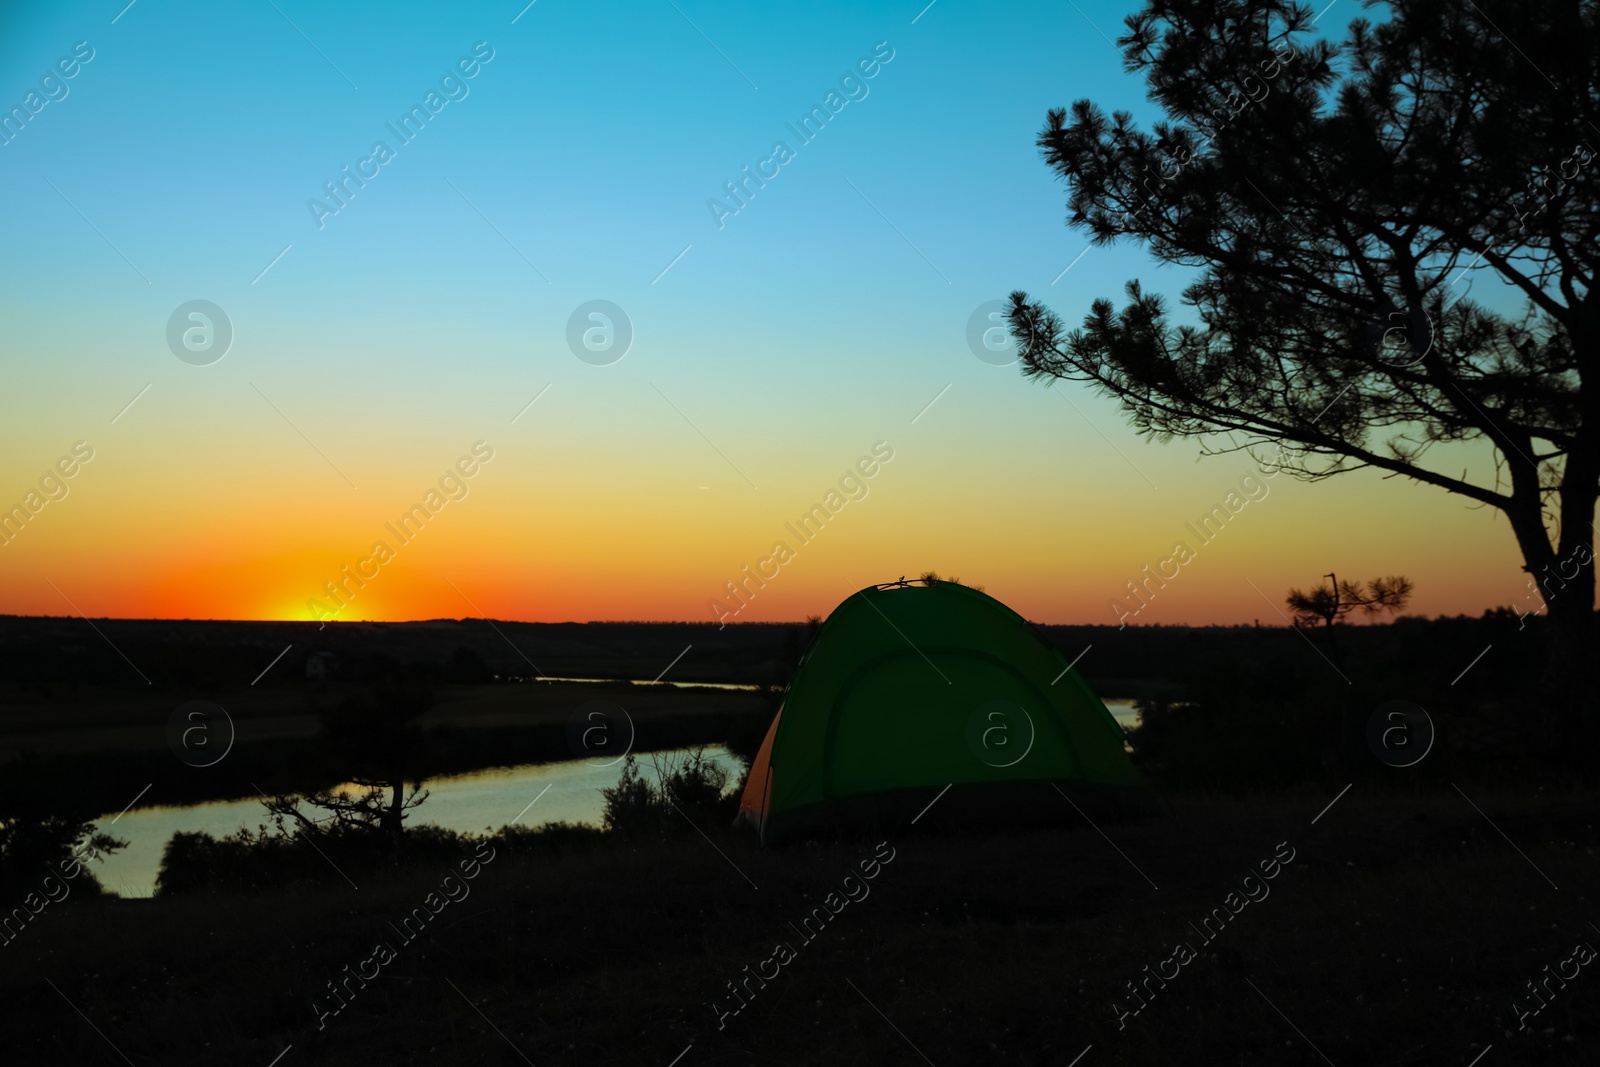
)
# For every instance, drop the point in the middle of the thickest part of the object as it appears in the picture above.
(695, 783)
(45, 828)
(631, 805)
(548, 839)
(1235, 745)
(240, 863)
(266, 859)
(250, 861)
(691, 787)
(33, 848)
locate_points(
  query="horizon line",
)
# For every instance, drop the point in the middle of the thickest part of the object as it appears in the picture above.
(1255, 625)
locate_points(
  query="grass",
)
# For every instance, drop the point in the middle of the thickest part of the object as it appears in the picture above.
(1399, 934)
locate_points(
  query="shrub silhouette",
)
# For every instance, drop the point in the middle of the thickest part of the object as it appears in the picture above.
(691, 787)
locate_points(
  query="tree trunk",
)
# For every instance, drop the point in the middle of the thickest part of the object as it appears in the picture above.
(392, 823)
(1569, 586)
(1565, 577)
(1569, 675)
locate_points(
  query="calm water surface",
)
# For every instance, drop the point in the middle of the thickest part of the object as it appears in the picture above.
(568, 791)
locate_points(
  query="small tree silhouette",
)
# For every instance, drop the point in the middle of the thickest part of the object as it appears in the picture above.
(1329, 603)
(375, 739)
(1332, 602)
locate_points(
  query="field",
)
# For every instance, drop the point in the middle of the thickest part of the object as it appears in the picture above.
(1399, 932)
(1302, 903)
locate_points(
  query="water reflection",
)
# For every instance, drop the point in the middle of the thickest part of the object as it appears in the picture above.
(535, 793)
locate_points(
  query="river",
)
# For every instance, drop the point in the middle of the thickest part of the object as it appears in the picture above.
(567, 791)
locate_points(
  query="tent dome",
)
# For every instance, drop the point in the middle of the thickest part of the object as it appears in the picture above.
(907, 690)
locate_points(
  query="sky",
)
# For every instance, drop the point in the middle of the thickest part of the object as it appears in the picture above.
(356, 346)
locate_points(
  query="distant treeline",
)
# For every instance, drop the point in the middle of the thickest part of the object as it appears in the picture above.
(1276, 708)
(41, 654)
(1417, 654)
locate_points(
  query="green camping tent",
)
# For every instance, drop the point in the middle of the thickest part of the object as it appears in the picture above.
(907, 689)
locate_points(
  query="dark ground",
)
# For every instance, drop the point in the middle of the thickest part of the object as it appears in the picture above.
(1400, 933)
(1415, 911)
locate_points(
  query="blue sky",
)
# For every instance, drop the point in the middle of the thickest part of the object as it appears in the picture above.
(424, 315)
(592, 142)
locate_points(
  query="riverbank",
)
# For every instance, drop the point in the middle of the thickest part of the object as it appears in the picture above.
(118, 748)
